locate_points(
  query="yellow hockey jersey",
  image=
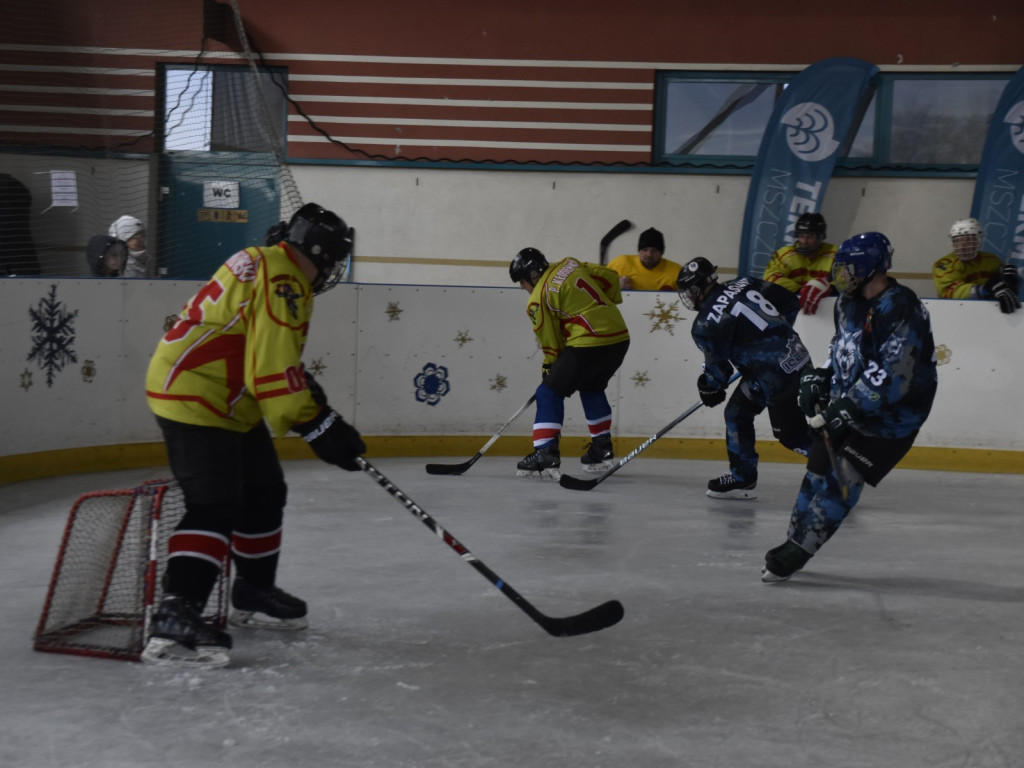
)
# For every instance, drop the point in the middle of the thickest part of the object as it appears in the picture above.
(233, 358)
(662, 278)
(791, 269)
(573, 305)
(954, 278)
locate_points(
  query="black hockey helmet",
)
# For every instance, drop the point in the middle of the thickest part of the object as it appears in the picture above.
(695, 278)
(529, 264)
(325, 239)
(810, 224)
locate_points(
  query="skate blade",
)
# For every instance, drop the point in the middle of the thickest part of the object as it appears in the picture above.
(551, 473)
(771, 578)
(162, 652)
(259, 620)
(738, 495)
(598, 468)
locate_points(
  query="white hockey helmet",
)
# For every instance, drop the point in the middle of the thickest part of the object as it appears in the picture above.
(126, 227)
(966, 235)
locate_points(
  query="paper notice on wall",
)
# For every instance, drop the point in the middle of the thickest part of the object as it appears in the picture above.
(64, 189)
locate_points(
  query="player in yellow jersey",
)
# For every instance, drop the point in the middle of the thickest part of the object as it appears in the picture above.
(584, 340)
(805, 266)
(970, 273)
(647, 270)
(229, 367)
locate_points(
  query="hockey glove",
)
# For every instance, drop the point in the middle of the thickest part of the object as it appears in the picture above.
(333, 439)
(814, 390)
(319, 396)
(1002, 287)
(811, 294)
(836, 420)
(710, 394)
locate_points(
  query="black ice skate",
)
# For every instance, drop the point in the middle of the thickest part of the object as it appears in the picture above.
(599, 455)
(728, 487)
(266, 608)
(782, 562)
(180, 636)
(543, 462)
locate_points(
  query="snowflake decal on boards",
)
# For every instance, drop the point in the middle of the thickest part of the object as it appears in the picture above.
(640, 379)
(53, 335)
(943, 354)
(463, 338)
(394, 311)
(317, 366)
(431, 384)
(26, 380)
(88, 370)
(499, 382)
(664, 316)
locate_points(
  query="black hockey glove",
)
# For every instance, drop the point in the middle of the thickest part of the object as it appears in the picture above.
(710, 394)
(333, 439)
(836, 420)
(319, 396)
(1002, 287)
(814, 390)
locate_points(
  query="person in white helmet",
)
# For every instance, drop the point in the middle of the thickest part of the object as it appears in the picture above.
(132, 233)
(971, 273)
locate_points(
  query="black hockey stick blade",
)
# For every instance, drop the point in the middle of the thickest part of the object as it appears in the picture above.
(594, 620)
(623, 226)
(452, 469)
(458, 469)
(576, 484)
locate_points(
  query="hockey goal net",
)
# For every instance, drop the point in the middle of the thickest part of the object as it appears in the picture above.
(109, 572)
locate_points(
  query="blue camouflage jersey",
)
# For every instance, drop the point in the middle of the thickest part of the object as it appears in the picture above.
(748, 323)
(883, 359)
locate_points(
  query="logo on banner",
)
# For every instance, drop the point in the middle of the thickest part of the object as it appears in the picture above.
(1015, 119)
(810, 131)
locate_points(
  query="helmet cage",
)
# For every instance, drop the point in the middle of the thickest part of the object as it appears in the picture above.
(859, 259)
(809, 224)
(694, 280)
(325, 239)
(967, 236)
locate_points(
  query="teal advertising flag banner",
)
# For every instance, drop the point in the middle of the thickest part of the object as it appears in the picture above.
(999, 191)
(809, 127)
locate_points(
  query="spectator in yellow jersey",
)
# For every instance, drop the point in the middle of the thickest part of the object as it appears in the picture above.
(648, 270)
(584, 340)
(970, 273)
(804, 267)
(226, 375)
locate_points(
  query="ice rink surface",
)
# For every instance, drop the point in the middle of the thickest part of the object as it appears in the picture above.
(901, 644)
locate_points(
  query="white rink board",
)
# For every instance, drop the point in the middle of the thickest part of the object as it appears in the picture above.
(368, 343)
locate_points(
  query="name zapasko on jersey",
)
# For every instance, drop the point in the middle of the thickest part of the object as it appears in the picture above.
(748, 323)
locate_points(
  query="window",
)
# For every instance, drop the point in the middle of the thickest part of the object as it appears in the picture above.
(915, 123)
(211, 109)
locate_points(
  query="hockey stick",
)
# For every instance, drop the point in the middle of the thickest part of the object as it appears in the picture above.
(597, 618)
(623, 226)
(568, 481)
(844, 489)
(458, 469)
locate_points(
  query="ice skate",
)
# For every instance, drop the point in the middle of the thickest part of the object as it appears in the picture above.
(782, 562)
(599, 455)
(728, 487)
(266, 608)
(180, 637)
(543, 462)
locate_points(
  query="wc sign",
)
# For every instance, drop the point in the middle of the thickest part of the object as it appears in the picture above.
(220, 194)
